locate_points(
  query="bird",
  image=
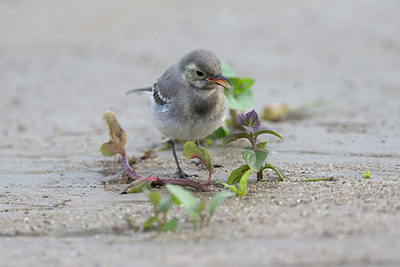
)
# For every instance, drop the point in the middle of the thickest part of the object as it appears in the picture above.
(188, 101)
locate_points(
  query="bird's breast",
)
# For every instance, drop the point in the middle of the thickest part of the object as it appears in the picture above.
(206, 107)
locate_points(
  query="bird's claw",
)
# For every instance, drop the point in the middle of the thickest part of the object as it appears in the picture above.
(186, 176)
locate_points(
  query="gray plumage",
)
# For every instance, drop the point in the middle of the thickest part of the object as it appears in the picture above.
(188, 100)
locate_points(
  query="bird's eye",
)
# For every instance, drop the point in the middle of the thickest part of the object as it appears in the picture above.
(199, 73)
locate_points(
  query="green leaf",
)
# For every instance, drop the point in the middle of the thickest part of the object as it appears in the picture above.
(200, 207)
(236, 135)
(175, 200)
(255, 160)
(241, 96)
(243, 182)
(227, 70)
(241, 101)
(154, 197)
(149, 223)
(217, 199)
(235, 176)
(108, 149)
(269, 131)
(276, 170)
(165, 205)
(190, 151)
(233, 188)
(138, 186)
(188, 201)
(261, 144)
(241, 84)
(367, 175)
(249, 157)
(221, 132)
(170, 225)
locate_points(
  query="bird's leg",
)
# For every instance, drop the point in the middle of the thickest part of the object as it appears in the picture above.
(180, 172)
(198, 143)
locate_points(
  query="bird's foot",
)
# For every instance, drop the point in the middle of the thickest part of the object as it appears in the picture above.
(197, 163)
(218, 166)
(183, 175)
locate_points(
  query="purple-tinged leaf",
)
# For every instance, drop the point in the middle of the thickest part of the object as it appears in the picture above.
(265, 129)
(241, 119)
(190, 151)
(234, 136)
(252, 119)
(248, 129)
(249, 121)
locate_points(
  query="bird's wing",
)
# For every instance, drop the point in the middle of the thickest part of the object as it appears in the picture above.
(170, 83)
(159, 99)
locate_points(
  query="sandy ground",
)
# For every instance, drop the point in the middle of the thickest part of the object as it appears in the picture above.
(63, 63)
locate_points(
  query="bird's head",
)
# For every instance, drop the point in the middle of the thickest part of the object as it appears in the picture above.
(202, 69)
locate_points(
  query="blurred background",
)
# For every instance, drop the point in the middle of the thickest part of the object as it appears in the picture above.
(62, 63)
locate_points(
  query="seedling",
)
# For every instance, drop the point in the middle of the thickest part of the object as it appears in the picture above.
(366, 175)
(199, 212)
(160, 209)
(116, 145)
(254, 155)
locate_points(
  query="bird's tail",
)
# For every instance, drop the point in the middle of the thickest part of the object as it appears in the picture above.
(141, 90)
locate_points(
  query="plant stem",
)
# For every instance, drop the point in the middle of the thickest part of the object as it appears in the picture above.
(253, 142)
(127, 168)
(208, 219)
(157, 181)
(159, 223)
(194, 222)
(260, 175)
(165, 218)
(201, 220)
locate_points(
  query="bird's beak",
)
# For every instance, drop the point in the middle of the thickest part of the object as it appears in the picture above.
(221, 80)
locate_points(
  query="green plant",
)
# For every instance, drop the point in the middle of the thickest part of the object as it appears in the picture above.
(239, 98)
(116, 145)
(191, 150)
(160, 209)
(366, 175)
(199, 212)
(254, 155)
